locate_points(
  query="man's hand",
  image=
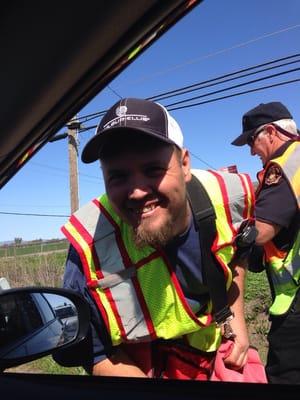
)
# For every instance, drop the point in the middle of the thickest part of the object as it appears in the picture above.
(238, 356)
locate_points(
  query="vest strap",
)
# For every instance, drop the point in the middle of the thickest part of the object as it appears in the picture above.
(205, 216)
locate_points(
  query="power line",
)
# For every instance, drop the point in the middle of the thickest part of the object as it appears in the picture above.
(235, 94)
(34, 215)
(200, 159)
(210, 55)
(170, 107)
(64, 170)
(117, 94)
(218, 81)
(88, 128)
(195, 86)
(235, 86)
(232, 74)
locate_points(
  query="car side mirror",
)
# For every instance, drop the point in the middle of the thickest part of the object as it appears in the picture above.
(35, 322)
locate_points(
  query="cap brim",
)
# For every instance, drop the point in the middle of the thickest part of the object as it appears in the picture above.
(242, 139)
(93, 148)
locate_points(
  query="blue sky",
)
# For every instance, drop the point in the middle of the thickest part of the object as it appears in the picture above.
(216, 38)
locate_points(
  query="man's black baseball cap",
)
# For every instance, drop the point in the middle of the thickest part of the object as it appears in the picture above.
(131, 114)
(263, 114)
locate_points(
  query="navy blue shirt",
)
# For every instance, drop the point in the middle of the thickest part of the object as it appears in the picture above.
(276, 204)
(185, 257)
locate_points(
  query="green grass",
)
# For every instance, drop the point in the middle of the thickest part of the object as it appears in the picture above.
(47, 365)
(34, 270)
(257, 302)
(32, 248)
(257, 287)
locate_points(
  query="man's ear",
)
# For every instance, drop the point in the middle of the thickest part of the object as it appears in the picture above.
(271, 131)
(186, 165)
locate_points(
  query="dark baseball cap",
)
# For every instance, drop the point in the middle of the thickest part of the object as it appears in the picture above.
(263, 114)
(131, 114)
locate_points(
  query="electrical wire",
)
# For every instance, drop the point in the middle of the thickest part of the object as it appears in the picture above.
(235, 94)
(235, 86)
(210, 55)
(200, 159)
(194, 87)
(170, 107)
(34, 215)
(114, 92)
(218, 81)
(184, 90)
(64, 170)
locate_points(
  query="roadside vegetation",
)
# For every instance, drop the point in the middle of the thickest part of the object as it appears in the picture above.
(46, 269)
(257, 301)
(20, 248)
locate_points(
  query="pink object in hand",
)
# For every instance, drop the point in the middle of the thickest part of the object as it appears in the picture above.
(252, 372)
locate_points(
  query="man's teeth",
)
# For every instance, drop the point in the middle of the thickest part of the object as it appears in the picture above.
(148, 208)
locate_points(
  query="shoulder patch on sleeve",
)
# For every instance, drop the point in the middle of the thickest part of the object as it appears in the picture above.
(273, 175)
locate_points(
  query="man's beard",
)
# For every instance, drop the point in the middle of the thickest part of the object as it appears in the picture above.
(144, 237)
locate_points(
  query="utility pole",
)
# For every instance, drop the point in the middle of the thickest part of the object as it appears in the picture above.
(73, 127)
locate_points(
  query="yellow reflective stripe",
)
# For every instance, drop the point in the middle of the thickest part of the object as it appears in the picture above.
(295, 182)
(282, 302)
(113, 326)
(249, 198)
(286, 155)
(84, 246)
(213, 189)
(290, 164)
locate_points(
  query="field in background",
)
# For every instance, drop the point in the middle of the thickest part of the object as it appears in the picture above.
(46, 269)
(39, 269)
(37, 246)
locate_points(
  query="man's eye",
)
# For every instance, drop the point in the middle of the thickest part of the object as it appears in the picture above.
(119, 177)
(156, 171)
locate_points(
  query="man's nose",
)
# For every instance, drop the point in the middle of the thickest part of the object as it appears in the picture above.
(138, 189)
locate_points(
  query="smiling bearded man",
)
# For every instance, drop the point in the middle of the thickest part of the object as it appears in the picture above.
(135, 252)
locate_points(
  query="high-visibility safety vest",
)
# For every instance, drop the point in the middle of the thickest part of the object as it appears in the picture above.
(284, 266)
(136, 290)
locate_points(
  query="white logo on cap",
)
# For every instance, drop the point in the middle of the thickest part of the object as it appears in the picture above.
(120, 111)
(123, 117)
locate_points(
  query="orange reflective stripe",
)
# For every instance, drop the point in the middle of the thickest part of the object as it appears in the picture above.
(83, 243)
(249, 196)
(271, 251)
